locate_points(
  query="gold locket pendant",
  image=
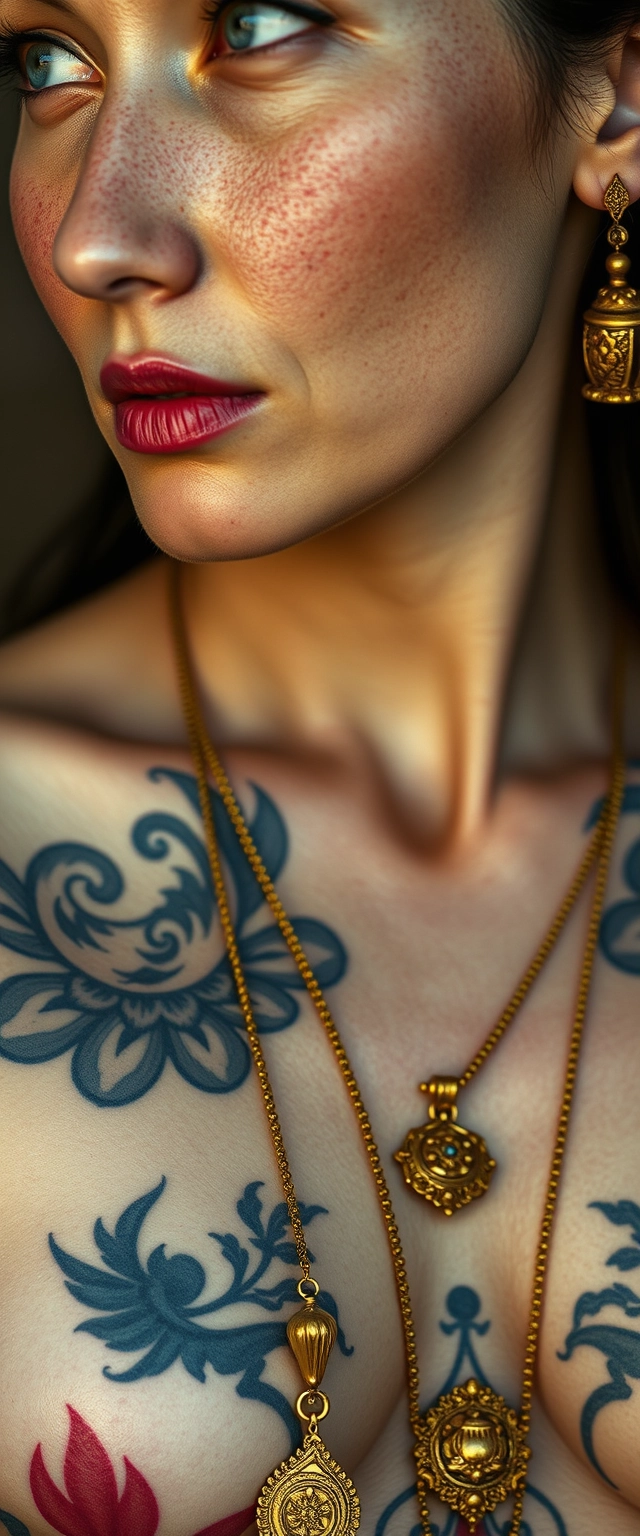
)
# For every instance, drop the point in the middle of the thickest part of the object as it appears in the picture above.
(443, 1161)
(471, 1451)
(310, 1494)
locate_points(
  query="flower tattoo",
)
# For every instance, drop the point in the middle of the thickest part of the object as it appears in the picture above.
(123, 1030)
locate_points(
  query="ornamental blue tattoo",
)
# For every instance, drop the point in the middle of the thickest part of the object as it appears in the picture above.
(154, 1308)
(464, 1307)
(122, 1032)
(620, 928)
(619, 1346)
(13, 1526)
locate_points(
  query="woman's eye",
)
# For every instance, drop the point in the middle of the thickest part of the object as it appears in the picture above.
(45, 64)
(252, 26)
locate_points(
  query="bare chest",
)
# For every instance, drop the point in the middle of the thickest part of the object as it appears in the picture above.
(147, 1269)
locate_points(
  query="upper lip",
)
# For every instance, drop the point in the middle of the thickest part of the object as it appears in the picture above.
(122, 378)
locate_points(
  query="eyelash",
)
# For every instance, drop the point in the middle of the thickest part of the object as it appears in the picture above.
(10, 41)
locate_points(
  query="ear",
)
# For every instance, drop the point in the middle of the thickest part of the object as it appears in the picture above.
(617, 146)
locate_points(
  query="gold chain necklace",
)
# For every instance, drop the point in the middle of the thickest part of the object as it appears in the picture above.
(443, 1161)
(470, 1448)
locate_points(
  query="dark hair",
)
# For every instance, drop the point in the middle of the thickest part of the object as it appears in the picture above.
(100, 542)
(566, 34)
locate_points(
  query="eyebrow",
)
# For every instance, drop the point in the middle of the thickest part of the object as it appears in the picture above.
(60, 5)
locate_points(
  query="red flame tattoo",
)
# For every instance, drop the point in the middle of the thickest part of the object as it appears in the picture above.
(91, 1506)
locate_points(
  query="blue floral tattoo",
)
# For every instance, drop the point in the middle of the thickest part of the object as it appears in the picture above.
(154, 1308)
(464, 1308)
(122, 1033)
(13, 1526)
(620, 929)
(619, 1346)
(620, 932)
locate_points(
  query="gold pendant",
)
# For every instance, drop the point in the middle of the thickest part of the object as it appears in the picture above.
(471, 1451)
(442, 1161)
(309, 1495)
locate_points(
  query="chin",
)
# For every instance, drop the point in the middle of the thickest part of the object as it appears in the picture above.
(196, 512)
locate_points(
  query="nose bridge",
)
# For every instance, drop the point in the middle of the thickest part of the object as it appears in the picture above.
(126, 225)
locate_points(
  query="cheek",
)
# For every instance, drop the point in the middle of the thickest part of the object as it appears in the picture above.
(355, 239)
(38, 206)
(37, 210)
(334, 228)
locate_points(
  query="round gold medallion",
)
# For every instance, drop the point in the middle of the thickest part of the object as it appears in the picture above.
(309, 1495)
(446, 1164)
(471, 1451)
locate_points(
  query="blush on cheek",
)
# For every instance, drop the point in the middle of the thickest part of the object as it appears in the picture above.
(322, 223)
(38, 210)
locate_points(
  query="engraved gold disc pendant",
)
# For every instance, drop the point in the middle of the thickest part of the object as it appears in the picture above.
(443, 1161)
(471, 1451)
(309, 1495)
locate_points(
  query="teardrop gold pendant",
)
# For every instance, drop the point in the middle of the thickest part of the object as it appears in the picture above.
(471, 1451)
(443, 1161)
(310, 1495)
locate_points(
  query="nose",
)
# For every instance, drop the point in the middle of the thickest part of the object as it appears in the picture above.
(124, 233)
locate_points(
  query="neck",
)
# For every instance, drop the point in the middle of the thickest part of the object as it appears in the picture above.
(397, 639)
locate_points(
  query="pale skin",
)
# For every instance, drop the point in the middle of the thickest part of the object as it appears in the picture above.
(403, 631)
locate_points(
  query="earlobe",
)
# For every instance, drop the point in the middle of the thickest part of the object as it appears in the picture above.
(617, 147)
(600, 162)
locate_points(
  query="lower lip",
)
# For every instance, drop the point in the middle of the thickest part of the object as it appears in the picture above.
(152, 425)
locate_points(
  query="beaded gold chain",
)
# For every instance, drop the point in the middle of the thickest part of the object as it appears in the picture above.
(311, 1487)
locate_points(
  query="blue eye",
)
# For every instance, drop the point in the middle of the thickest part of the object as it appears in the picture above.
(260, 26)
(46, 63)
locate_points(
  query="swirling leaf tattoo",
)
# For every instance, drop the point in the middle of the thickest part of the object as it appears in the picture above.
(619, 1346)
(156, 1308)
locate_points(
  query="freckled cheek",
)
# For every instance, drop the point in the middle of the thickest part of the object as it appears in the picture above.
(38, 210)
(338, 242)
(347, 235)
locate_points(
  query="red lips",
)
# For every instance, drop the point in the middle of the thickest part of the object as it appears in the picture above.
(164, 407)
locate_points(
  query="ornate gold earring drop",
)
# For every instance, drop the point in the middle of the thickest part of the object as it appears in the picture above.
(612, 325)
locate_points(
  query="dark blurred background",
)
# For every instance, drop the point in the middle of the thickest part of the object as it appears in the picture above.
(52, 457)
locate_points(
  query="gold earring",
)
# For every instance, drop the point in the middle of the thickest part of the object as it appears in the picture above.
(612, 325)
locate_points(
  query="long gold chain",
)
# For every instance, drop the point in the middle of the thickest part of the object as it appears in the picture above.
(204, 754)
(206, 760)
(611, 819)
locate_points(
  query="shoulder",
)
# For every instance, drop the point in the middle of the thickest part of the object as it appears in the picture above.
(105, 664)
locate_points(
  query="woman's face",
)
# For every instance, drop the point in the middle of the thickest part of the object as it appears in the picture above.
(330, 211)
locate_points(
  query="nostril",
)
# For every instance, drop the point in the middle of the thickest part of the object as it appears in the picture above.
(127, 287)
